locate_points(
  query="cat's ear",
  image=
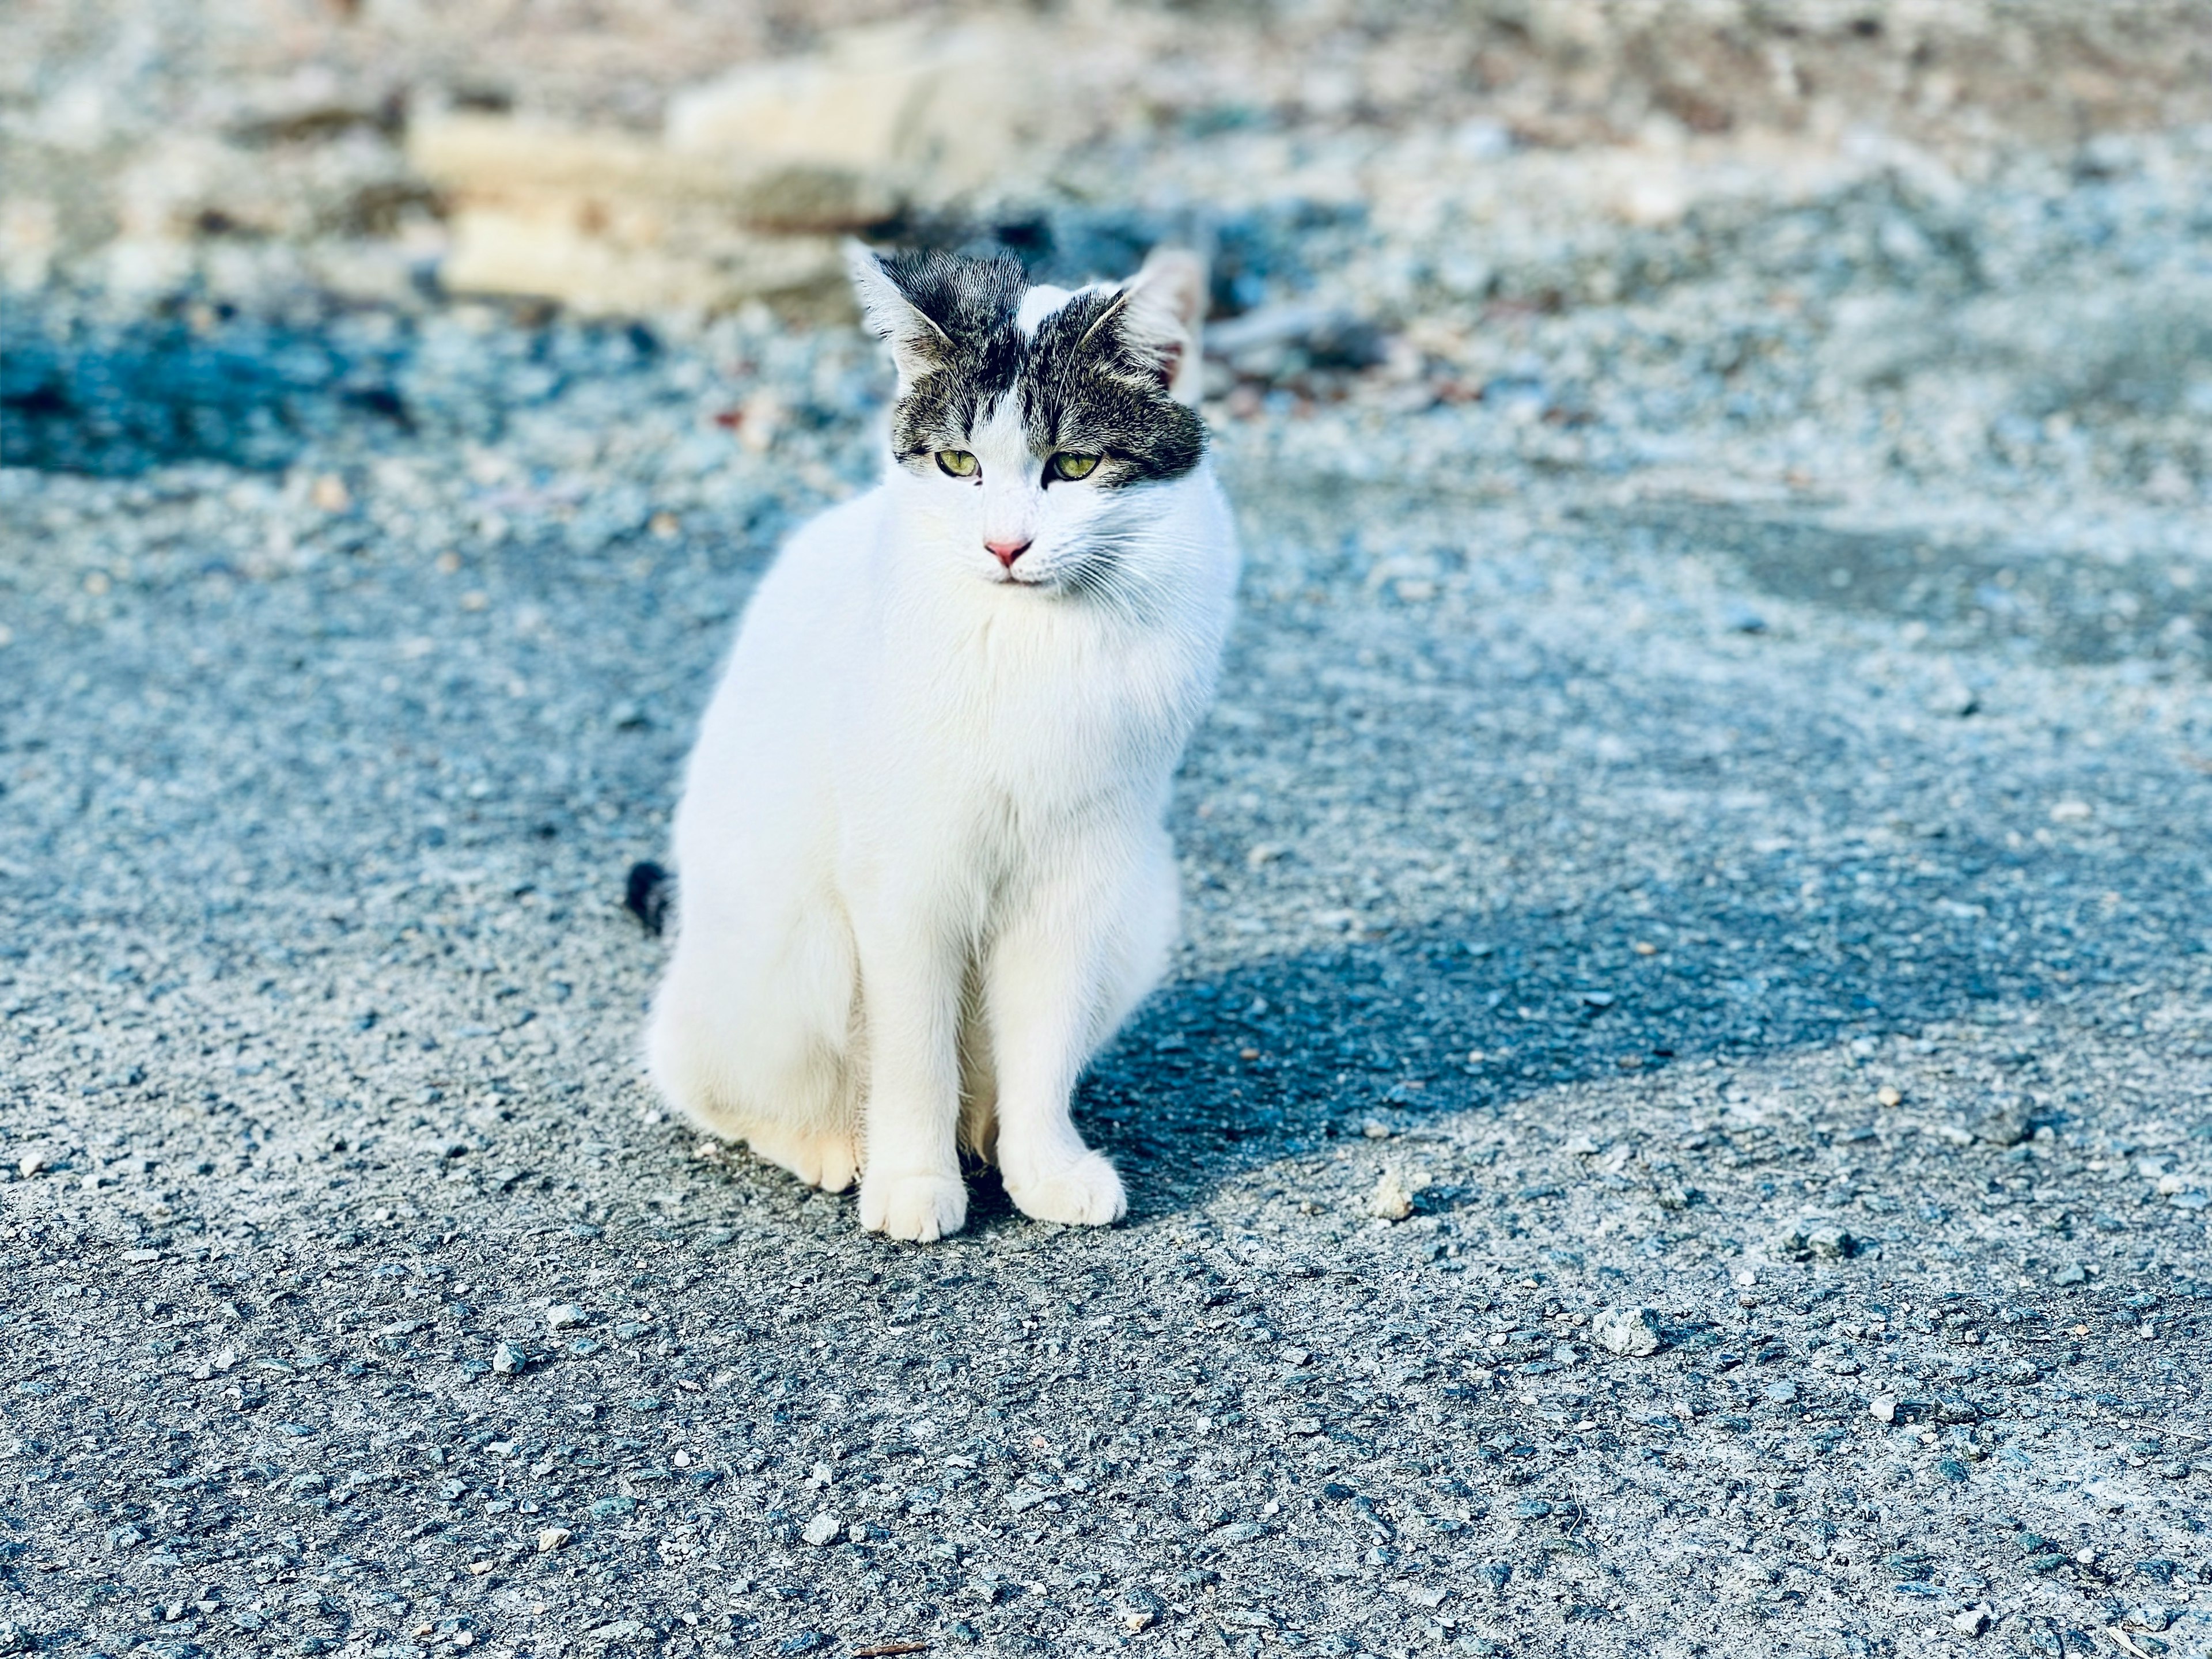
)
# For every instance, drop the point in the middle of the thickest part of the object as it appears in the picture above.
(919, 347)
(1160, 318)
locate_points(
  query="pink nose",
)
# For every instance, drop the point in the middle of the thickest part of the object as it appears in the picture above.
(1006, 552)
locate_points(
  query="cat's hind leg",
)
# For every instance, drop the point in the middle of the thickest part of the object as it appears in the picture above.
(755, 1046)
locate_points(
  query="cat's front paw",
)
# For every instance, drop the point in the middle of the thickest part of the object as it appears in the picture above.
(918, 1207)
(1084, 1193)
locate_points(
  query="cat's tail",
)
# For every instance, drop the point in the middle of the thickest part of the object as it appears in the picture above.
(647, 894)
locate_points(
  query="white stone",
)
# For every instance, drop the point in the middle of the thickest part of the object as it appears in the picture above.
(1393, 1197)
(1632, 1333)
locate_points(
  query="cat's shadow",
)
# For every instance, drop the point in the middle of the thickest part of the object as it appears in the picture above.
(1280, 1055)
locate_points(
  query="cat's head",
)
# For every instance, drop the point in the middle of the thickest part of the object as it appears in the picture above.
(1034, 428)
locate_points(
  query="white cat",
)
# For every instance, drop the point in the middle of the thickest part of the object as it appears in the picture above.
(922, 873)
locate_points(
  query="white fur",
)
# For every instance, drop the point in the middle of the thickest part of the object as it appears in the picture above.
(922, 873)
(1039, 303)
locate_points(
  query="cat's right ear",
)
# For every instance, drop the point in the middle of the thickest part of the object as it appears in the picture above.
(919, 347)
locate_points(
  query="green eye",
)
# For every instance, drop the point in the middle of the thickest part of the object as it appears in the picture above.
(955, 463)
(1072, 467)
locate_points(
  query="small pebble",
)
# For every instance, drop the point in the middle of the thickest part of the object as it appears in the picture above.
(823, 1529)
(1632, 1333)
(563, 1316)
(1141, 1608)
(1831, 1241)
(1393, 1197)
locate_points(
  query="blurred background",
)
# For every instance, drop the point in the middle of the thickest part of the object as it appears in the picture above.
(1399, 199)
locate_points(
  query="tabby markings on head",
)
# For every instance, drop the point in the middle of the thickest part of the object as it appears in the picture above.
(1083, 387)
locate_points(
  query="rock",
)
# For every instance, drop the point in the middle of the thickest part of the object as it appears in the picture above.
(916, 100)
(1972, 1621)
(548, 252)
(1883, 1408)
(508, 1359)
(1831, 1243)
(1281, 340)
(564, 1317)
(1824, 1240)
(1631, 1332)
(486, 158)
(550, 1539)
(823, 1528)
(1393, 1197)
(1141, 1608)
(608, 221)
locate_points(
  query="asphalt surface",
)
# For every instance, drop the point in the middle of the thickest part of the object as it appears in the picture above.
(1780, 911)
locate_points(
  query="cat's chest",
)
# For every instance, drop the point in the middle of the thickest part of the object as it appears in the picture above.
(1065, 710)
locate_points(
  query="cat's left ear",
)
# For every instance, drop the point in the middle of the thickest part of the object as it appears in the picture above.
(1161, 318)
(919, 347)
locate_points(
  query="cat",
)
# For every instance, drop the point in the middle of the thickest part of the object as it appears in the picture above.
(922, 873)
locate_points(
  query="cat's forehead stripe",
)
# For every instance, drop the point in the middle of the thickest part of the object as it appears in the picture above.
(1039, 303)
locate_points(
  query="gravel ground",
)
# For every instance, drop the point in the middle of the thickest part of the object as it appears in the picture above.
(1680, 1126)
